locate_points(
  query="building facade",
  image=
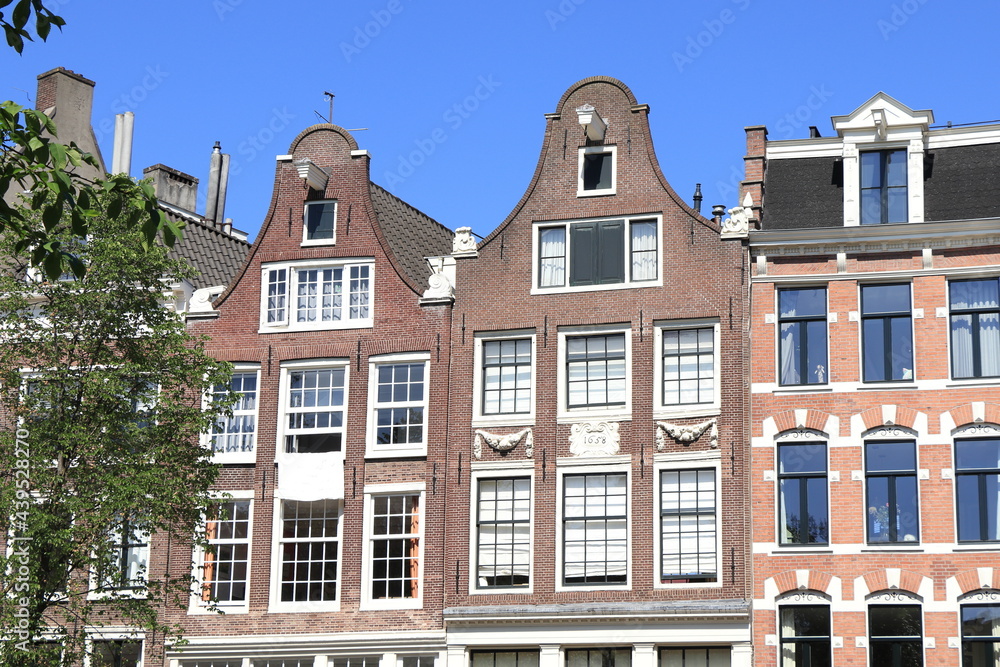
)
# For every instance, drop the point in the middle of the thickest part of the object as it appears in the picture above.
(597, 475)
(875, 393)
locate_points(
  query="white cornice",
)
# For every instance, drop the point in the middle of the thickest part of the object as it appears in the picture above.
(305, 644)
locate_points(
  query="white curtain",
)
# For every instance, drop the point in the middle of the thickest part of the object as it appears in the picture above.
(553, 254)
(789, 375)
(644, 251)
(787, 631)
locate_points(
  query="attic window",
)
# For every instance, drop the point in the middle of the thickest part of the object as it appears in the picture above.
(320, 223)
(598, 171)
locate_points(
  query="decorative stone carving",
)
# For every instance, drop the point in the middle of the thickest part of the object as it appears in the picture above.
(983, 429)
(441, 283)
(737, 225)
(685, 435)
(201, 300)
(504, 443)
(464, 243)
(893, 596)
(594, 439)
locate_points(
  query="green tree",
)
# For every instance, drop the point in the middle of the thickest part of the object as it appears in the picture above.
(101, 392)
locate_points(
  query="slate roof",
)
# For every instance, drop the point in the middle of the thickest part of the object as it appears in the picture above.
(802, 193)
(412, 235)
(960, 183)
(607, 609)
(215, 255)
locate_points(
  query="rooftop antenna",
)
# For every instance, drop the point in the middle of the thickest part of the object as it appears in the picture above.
(329, 96)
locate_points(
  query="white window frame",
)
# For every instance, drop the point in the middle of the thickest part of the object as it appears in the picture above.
(875, 436)
(628, 283)
(284, 393)
(290, 323)
(687, 461)
(481, 419)
(367, 602)
(306, 241)
(238, 457)
(804, 437)
(709, 408)
(566, 415)
(597, 150)
(373, 449)
(197, 606)
(111, 634)
(909, 139)
(276, 604)
(99, 592)
(820, 386)
(484, 470)
(574, 467)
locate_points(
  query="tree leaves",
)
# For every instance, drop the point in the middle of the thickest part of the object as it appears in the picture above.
(15, 29)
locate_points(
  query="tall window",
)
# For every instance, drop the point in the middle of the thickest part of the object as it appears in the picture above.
(237, 434)
(595, 370)
(599, 657)
(315, 410)
(595, 528)
(802, 493)
(805, 636)
(395, 546)
(599, 252)
(886, 332)
(977, 479)
(688, 526)
(507, 376)
(320, 221)
(277, 293)
(116, 653)
(309, 546)
(802, 322)
(126, 567)
(883, 187)
(975, 328)
(891, 476)
(597, 170)
(504, 539)
(504, 658)
(317, 296)
(400, 404)
(688, 366)
(702, 656)
(226, 567)
(980, 635)
(895, 635)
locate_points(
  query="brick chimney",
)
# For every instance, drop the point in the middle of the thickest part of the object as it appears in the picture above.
(754, 165)
(173, 187)
(68, 99)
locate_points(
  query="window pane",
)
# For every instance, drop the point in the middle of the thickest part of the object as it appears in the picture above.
(895, 168)
(802, 302)
(597, 171)
(873, 339)
(877, 299)
(967, 294)
(871, 172)
(552, 257)
(890, 456)
(320, 218)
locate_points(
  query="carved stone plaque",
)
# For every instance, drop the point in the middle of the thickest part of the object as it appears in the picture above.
(594, 439)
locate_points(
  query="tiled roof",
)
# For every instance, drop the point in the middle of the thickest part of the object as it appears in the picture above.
(961, 182)
(412, 235)
(215, 255)
(803, 192)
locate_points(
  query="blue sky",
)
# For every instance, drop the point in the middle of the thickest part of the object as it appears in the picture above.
(252, 74)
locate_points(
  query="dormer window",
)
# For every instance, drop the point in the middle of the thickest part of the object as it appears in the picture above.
(883, 187)
(598, 171)
(320, 223)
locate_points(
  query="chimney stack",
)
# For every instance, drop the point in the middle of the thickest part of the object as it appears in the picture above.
(697, 198)
(121, 161)
(173, 187)
(68, 99)
(218, 179)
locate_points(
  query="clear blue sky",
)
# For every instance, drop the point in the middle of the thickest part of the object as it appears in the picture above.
(250, 74)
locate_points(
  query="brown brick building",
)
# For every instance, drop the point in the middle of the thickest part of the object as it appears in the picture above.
(875, 393)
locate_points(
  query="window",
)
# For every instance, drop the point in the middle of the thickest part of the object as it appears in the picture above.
(309, 546)
(805, 636)
(356, 661)
(802, 323)
(977, 479)
(688, 371)
(503, 524)
(598, 171)
(886, 333)
(895, 636)
(315, 409)
(236, 435)
(506, 376)
(688, 527)
(504, 659)
(891, 475)
(701, 656)
(320, 223)
(116, 653)
(126, 566)
(802, 494)
(595, 529)
(596, 371)
(300, 297)
(975, 328)
(980, 635)
(883, 187)
(599, 657)
(599, 253)
(399, 405)
(225, 568)
(415, 661)
(395, 546)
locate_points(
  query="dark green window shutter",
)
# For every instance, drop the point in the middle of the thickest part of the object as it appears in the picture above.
(611, 252)
(583, 254)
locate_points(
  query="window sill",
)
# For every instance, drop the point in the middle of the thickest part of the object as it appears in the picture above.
(302, 607)
(974, 382)
(499, 590)
(702, 410)
(793, 549)
(887, 386)
(666, 586)
(323, 326)
(986, 546)
(891, 548)
(570, 588)
(803, 389)
(198, 609)
(319, 242)
(580, 416)
(222, 458)
(573, 289)
(604, 192)
(379, 605)
(525, 419)
(396, 452)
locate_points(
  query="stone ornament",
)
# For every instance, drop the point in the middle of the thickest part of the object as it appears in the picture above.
(594, 439)
(504, 443)
(738, 222)
(439, 284)
(463, 241)
(685, 435)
